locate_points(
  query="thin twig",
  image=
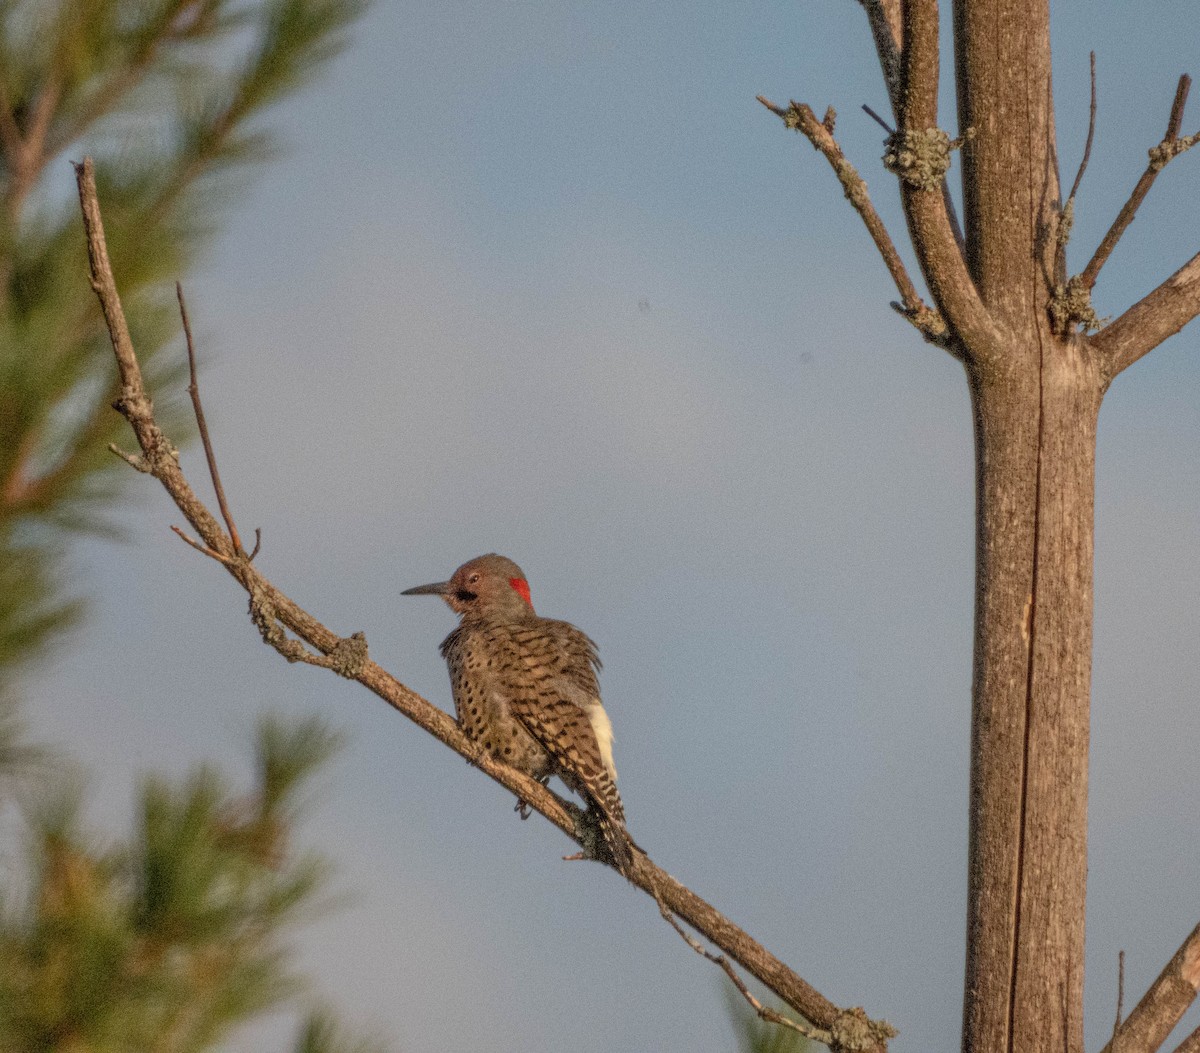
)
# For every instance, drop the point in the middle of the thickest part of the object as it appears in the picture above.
(764, 1012)
(1066, 215)
(194, 391)
(1087, 149)
(801, 117)
(131, 459)
(1163, 1005)
(1120, 998)
(1170, 147)
(877, 119)
(1175, 124)
(273, 608)
(202, 548)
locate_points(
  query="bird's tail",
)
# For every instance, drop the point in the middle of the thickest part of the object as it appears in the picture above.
(616, 838)
(605, 811)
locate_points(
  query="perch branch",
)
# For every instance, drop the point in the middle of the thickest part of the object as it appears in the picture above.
(1170, 147)
(801, 117)
(1162, 1007)
(276, 614)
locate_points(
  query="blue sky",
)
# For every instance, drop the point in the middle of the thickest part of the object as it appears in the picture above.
(544, 279)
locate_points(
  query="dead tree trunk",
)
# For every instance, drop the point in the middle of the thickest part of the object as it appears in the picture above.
(1035, 411)
(1035, 444)
(1004, 306)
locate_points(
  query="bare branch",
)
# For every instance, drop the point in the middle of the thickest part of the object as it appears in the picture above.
(801, 117)
(274, 612)
(884, 19)
(1163, 1006)
(937, 241)
(1145, 325)
(952, 219)
(194, 391)
(1170, 147)
(1191, 1044)
(1175, 123)
(919, 65)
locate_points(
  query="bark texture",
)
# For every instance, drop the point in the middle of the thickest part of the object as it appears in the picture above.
(1035, 408)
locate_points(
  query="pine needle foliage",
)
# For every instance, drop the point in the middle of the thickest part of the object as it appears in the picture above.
(755, 1035)
(321, 1033)
(168, 97)
(167, 942)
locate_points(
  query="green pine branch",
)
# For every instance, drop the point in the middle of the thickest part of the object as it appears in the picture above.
(172, 939)
(171, 98)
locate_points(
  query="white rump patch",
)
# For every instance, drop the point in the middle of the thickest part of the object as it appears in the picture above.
(602, 727)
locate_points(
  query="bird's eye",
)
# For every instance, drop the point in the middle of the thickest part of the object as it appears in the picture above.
(473, 579)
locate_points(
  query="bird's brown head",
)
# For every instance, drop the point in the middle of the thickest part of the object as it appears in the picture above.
(486, 587)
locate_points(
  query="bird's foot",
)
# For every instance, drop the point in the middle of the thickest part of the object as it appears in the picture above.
(589, 835)
(522, 809)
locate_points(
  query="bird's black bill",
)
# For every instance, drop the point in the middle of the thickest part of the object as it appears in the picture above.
(438, 588)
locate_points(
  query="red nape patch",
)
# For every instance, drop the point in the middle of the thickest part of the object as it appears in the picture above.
(521, 587)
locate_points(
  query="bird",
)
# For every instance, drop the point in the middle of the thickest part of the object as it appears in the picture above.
(526, 689)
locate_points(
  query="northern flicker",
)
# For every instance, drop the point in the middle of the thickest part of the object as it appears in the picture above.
(525, 688)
